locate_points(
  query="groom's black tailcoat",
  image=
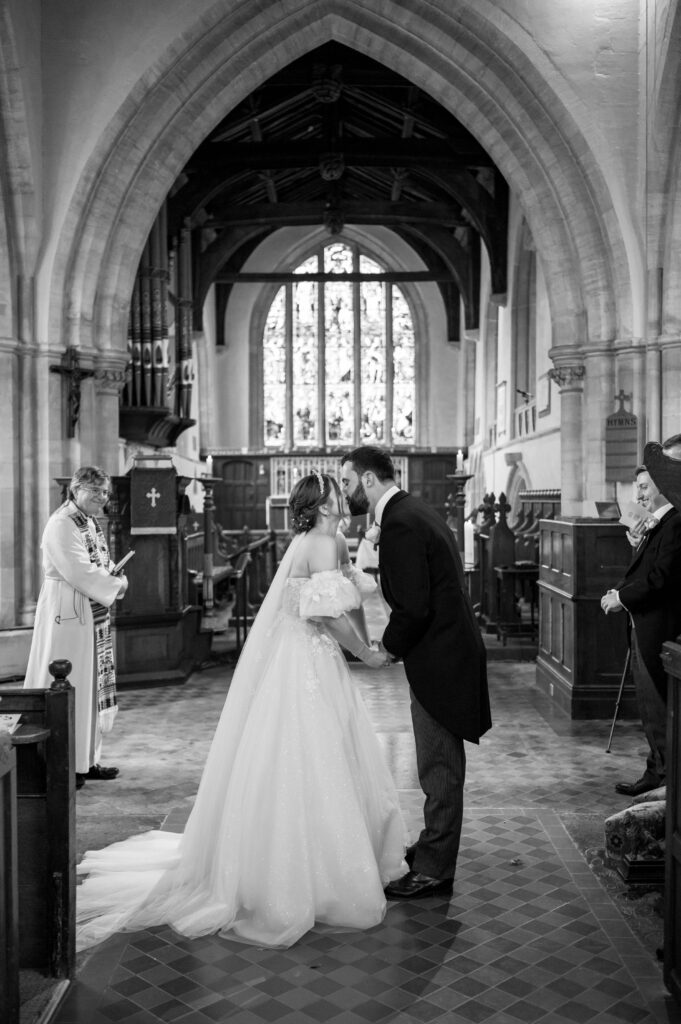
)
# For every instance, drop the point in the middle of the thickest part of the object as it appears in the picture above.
(651, 592)
(432, 626)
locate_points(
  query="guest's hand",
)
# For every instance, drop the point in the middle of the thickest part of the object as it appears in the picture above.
(610, 602)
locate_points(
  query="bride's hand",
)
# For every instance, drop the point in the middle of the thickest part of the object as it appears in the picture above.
(373, 658)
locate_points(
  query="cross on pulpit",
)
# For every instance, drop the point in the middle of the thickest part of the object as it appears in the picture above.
(153, 494)
(622, 397)
(71, 371)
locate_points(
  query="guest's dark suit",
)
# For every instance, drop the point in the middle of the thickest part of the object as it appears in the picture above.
(651, 593)
(433, 629)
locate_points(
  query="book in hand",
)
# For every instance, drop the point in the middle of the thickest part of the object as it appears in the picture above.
(9, 723)
(635, 517)
(118, 567)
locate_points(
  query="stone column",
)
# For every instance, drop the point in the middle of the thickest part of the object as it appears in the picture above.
(205, 359)
(568, 374)
(13, 507)
(599, 392)
(670, 370)
(110, 378)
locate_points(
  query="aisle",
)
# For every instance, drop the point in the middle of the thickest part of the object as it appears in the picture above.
(530, 934)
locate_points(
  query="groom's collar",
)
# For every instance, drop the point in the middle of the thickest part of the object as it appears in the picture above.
(383, 501)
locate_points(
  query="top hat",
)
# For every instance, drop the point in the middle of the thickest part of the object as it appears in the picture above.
(665, 472)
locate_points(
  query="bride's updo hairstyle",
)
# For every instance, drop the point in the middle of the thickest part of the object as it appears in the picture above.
(306, 498)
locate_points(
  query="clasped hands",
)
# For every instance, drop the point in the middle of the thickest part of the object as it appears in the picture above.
(376, 656)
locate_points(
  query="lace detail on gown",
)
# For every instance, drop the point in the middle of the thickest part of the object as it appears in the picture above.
(296, 822)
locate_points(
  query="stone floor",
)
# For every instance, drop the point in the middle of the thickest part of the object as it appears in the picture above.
(537, 929)
(531, 933)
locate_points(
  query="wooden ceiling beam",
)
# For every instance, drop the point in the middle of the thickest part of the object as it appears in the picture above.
(375, 152)
(281, 214)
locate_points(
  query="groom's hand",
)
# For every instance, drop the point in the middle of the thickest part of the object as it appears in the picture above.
(392, 659)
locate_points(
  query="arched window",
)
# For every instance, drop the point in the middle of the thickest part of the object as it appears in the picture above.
(338, 356)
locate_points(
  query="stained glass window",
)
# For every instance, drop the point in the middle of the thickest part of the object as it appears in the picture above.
(338, 356)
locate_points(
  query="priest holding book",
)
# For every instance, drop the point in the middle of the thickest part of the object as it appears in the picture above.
(72, 617)
(650, 592)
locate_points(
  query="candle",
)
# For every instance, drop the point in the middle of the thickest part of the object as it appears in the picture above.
(468, 544)
(209, 464)
(459, 461)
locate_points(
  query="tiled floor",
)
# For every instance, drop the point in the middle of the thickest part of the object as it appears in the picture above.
(530, 934)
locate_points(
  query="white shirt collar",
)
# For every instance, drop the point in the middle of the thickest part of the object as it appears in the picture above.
(383, 501)
(658, 513)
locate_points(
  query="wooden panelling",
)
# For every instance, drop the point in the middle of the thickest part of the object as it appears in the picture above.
(671, 656)
(581, 650)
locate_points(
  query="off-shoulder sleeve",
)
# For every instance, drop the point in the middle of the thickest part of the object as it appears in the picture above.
(365, 583)
(327, 593)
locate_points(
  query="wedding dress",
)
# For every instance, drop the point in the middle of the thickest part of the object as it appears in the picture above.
(296, 821)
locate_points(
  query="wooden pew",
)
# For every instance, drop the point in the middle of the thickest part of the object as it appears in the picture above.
(44, 745)
(9, 884)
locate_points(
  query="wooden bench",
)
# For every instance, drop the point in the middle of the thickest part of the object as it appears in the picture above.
(44, 745)
(9, 884)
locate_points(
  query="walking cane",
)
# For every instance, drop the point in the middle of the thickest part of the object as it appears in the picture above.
(619, 699)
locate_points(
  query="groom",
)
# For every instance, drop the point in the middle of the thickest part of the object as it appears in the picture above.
(433, 629)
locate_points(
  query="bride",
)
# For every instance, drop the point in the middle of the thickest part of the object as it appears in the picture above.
(296, 820)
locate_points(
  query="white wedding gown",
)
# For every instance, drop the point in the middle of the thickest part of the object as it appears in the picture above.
(296, 820)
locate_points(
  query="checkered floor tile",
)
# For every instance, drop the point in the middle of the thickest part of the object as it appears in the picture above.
(530, 934)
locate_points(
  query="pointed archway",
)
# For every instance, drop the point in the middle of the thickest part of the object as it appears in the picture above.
(464, 60)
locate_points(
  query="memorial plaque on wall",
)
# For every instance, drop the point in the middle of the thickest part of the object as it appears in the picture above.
(153, 501)
(621, 444)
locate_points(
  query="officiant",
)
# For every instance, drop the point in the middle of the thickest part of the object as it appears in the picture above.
(650, 592)
(72, 616)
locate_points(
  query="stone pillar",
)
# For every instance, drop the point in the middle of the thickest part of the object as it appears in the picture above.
(670, 369)
(11, 491)
(568, 374)
(110, 378)
(205, 359)
(599, 392)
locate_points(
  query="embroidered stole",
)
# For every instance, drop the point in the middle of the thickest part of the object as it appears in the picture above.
(106, 674)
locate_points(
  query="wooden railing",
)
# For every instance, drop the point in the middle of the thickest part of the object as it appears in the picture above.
(245, 562)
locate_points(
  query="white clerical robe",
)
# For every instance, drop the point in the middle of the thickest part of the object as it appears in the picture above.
(64, 626)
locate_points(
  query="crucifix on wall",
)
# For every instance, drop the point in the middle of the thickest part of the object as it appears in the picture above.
(71, 372)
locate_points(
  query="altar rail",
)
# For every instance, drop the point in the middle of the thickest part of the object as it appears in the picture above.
(245, 562)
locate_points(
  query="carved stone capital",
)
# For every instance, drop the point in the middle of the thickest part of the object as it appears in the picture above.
(567, 376)
(110, 380)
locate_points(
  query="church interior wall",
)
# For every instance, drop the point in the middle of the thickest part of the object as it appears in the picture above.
(77, 89)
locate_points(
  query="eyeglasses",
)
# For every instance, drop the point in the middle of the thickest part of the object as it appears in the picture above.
(97, 492)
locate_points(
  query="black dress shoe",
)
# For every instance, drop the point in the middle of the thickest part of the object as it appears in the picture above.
(80, 780)
(414, 886)
(636, 788)
(98, 771)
